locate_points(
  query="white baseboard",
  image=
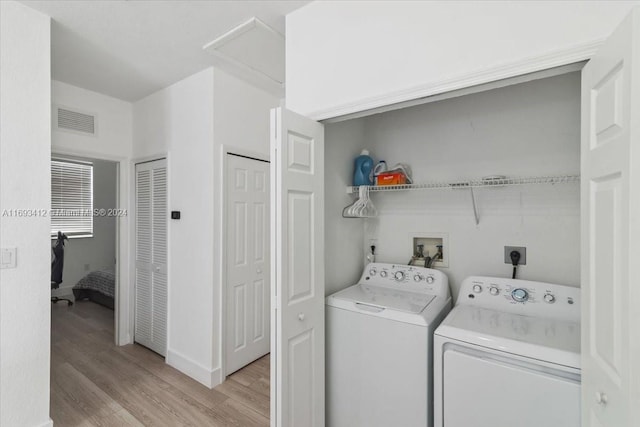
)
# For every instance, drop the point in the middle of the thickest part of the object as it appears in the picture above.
(216, 377)
(125, 339)
(203, 375)
(47, 423)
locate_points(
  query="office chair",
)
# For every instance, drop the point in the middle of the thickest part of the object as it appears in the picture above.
(56, 266)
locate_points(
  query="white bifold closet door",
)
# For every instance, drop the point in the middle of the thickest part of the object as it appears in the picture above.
(248, 291)
(151, 256)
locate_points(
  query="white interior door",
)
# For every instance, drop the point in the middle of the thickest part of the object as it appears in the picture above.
(150, 306)
(611, 230)
(297, 274)
(247, 289)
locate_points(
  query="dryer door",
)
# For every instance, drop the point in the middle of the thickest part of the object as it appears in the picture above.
(484, 388)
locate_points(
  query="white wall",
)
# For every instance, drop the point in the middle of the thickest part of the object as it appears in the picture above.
(25, 138)
(93, 253)
(354, 55)
(114, 123)
(344, 258)
(241, 117)
(178, 121)
(523, 130)
(191, 121)
(114, 142)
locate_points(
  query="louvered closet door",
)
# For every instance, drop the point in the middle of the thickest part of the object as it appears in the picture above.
(151, 256)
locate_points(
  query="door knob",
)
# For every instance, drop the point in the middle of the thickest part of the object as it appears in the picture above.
(601, 398)
(301, 317)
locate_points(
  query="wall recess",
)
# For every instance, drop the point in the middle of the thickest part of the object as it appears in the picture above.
(430, 242)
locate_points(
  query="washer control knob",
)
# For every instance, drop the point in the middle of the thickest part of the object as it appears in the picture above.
(399, 276)
(477, 289)
(549, 298)
(494, 290)
(430, 279)
(417, 278)
(372, 272)
(383, 273)
(520, 295)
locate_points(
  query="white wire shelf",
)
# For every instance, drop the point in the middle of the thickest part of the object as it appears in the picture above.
(474, 183)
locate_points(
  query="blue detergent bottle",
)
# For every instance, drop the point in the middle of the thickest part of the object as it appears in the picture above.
(363, 169)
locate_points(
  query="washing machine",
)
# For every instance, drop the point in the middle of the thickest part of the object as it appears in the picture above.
(379, 337)
(508, 354)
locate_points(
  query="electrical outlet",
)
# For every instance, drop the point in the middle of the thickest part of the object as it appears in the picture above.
(521, 249)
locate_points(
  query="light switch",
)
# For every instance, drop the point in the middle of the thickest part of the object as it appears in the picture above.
(8, 257)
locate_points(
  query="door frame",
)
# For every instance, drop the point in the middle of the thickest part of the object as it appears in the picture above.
(128, 318)
(539, 69)
(229, 150)
(122, 275)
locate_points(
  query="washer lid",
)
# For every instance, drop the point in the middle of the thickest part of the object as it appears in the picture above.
(551, 340)
(385, 298)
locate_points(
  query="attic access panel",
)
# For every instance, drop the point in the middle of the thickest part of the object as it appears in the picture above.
(253, 46)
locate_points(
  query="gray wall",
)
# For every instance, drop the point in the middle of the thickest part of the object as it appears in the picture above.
(343, 237)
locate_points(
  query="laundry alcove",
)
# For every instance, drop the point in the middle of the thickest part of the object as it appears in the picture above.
(523, 127)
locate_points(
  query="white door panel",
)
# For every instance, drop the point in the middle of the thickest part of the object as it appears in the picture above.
(610, 230)
(150, 307)
(297, 177)
(247, 329)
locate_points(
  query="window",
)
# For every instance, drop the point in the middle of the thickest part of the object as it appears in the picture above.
(71, 198)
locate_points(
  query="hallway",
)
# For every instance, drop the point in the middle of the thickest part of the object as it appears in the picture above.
(95, 383)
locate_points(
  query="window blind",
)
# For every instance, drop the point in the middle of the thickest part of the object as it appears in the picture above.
(71, 197)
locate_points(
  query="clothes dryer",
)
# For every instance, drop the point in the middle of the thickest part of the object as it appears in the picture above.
(508, 354)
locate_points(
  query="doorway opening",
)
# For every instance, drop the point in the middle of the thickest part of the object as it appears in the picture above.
(85, 213)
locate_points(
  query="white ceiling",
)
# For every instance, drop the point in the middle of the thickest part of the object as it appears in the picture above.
(130, 49)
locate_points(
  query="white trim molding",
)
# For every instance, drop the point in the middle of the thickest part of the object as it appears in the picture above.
(577, 53)
(191, 368)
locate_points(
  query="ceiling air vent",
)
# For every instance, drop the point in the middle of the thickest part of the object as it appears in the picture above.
(75, 121)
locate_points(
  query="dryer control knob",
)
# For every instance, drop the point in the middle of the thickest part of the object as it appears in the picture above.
(383, 273)
(399, 276)
(430, 279)
(477, 289)
(494, 290)
(520, 295)
(372, 272)
(417, 278)
(549, 298)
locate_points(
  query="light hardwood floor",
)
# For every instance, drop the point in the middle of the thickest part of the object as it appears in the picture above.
(95, 383)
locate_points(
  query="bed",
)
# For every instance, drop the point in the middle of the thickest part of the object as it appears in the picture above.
(97, 286)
